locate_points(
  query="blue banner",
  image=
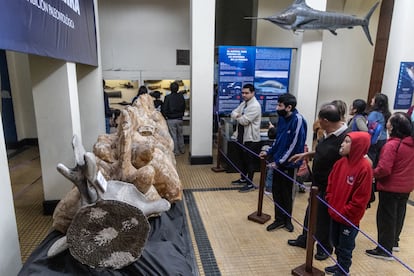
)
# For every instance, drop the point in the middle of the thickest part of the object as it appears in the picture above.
(61, 29)
(405, 87)
(268, 69)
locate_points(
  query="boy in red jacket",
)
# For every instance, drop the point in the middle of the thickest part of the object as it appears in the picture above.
(348, 192)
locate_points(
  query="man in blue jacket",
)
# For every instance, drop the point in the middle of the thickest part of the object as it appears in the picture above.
(290, 140)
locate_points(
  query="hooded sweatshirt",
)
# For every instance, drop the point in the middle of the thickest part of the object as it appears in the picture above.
(395, 169)
(350, 181)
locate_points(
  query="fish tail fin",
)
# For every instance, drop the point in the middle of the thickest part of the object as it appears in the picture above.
(366, 22)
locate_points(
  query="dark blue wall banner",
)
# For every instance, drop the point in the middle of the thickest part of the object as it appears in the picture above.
(405, 86)
(267, 68)
(62, 29)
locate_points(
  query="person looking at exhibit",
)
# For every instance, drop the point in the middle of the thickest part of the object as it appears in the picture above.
(141, 90)
(173, 111)
(324, 157)
(248, 116)
(394, 176)
(358, 122)
(290, 140)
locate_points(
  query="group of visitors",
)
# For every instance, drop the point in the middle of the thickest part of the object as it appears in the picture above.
(345, 160)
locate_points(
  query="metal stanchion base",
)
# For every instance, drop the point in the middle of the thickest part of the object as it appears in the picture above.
(260, 219)
(301, 271)
(218, 169)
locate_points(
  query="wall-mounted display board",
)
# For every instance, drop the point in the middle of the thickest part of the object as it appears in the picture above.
(267, 68)
(405, 86)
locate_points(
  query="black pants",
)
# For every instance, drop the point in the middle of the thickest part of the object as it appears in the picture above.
(248, 161)
(282, 193)
(390, 217)
(374, 152)
(323, 226)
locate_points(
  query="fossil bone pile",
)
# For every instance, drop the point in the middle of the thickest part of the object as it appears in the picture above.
(129, 176)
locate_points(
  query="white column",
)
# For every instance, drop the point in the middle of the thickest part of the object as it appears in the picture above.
(399, 47)
(307, 73)
(55, 96)
(202, 80)
(10, 260)
(91, 102)
(21, 87)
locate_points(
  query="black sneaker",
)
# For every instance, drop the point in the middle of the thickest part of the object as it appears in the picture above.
(239, 182)
(340, 273)
(321, 256)
(297, 242)
(379, 254)
(396, 247)
(330, 270)
(275, 225)
(289, 226)
(247, 188)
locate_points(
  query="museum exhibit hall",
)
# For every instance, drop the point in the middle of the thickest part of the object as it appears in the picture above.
(214, 137)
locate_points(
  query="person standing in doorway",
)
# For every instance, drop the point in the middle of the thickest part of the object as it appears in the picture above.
(290, 140)
(173, 111)
(248, 116)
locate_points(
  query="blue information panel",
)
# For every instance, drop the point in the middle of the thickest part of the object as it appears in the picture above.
(405, 87)
(267, 68)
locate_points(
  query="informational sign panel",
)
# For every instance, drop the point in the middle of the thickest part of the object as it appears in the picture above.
(53, 28)
(405, 87)
(268, 69)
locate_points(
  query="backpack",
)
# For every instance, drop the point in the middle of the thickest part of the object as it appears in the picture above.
(354, 122)
(374, 128)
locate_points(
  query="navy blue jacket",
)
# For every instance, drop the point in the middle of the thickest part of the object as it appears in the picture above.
(290, 140)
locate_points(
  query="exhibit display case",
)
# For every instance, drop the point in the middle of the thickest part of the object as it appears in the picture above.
(121, 93)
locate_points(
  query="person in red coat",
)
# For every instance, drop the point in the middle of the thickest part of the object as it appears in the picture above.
(394, 176)
(348, 193)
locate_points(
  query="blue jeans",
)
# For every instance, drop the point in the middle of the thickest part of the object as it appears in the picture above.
(343, 239)
(269, 179)
(107, 125)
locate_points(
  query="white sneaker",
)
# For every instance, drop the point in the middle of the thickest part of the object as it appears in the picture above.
(396, 249)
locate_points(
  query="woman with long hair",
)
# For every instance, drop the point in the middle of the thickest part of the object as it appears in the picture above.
(379, 114)
(358, 121)
(394, 176)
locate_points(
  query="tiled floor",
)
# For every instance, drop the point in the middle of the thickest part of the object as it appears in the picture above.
(224, 241)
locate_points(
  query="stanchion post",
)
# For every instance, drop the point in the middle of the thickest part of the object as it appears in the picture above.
(218, 167)
(258, 216)
(307, 268)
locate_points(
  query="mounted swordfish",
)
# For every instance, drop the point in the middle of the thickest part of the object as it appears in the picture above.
(299, 16)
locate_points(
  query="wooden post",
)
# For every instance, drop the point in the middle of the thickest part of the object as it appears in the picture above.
(258, 216)
(218, 167)
(307, 268)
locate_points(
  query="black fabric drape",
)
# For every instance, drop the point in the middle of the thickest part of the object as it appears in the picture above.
(168, 251)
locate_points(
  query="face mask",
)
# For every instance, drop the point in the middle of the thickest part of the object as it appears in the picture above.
(282, 112)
